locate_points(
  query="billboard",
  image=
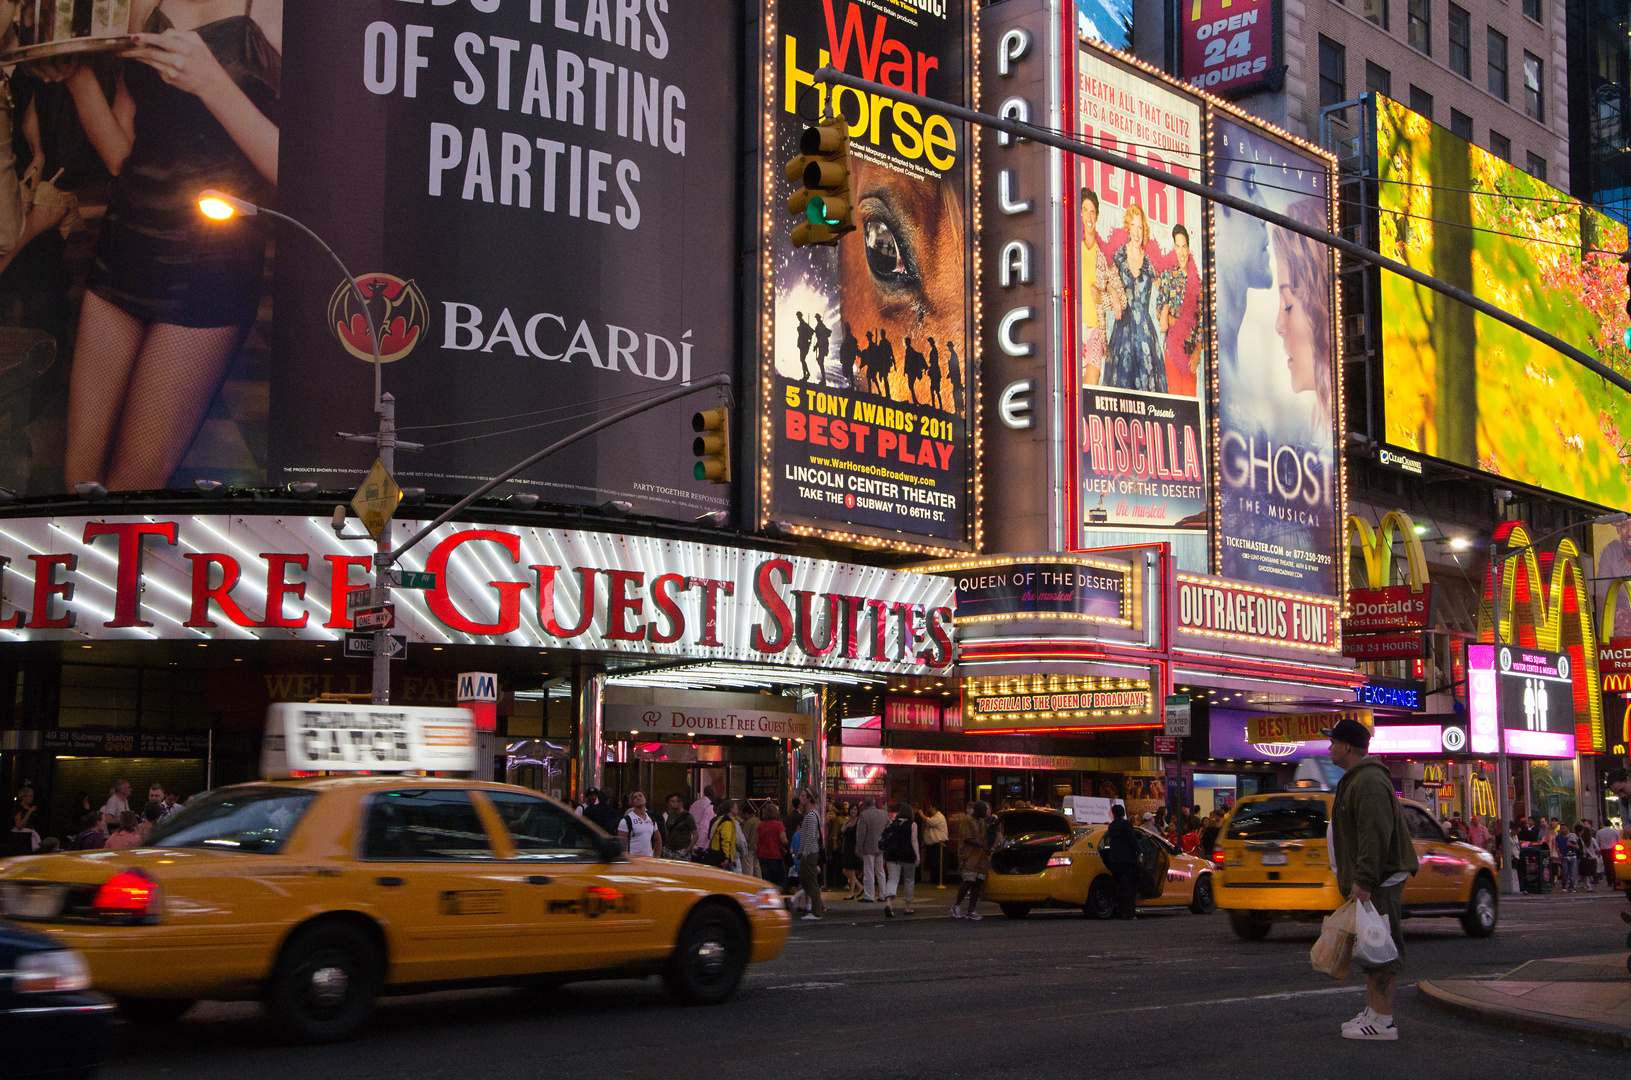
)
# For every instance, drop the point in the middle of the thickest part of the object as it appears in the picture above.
(450, 154)
(1463, 387)
(1137, 318)
(1108, 22)
(272, 577)
(1277, 406)
(1230, 48)
(869, 384)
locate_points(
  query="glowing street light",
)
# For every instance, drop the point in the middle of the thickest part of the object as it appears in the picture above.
(219, 206)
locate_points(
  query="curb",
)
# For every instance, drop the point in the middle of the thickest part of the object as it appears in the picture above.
(1584, 1031)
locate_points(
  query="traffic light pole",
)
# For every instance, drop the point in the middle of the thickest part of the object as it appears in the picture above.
(1021, 130)
(387, 556)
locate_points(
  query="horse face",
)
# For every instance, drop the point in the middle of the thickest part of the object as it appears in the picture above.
(903, 268)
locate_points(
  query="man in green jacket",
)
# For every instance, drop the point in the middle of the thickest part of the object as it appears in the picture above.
(1373, 852)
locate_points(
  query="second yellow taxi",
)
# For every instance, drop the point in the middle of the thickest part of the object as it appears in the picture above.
(1046, 860)
(317, 895)
(1274, 866)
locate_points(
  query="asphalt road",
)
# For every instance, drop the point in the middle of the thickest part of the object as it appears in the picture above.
(1171, 995)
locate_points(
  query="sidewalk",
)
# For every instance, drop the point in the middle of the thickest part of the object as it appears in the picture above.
(1583, 998)
(929, 903)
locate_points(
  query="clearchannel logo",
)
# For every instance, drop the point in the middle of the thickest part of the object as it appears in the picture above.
(1395, 460)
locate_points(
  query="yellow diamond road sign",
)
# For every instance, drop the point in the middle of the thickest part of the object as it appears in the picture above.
(376, 499)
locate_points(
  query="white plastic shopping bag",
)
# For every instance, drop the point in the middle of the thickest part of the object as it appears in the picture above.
(1373, 937)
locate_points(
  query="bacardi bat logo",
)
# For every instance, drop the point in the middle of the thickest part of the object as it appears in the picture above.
(399, 310)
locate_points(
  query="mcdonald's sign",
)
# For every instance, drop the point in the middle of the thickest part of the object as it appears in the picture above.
(1551, 612)
(1614, 655)
(1383, 607)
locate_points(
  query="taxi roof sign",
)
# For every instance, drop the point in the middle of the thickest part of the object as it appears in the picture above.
(376, 500)
(335, 738)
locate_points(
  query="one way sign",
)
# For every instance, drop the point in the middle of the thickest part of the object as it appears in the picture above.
(361, 646)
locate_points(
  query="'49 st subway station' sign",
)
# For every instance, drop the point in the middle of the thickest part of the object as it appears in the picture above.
(228, 577)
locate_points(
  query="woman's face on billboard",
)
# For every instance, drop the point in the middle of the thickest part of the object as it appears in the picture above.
(1296, 332)
(902, 269)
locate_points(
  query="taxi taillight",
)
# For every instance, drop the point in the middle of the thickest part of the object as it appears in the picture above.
(128, 896)
(1619, 851)
(1217, 858)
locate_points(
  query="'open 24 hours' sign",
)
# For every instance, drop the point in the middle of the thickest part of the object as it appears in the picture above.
(1230, 45)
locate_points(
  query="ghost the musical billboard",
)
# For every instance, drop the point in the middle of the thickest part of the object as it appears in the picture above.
(1137, 321)
(1276, 403)
(868, 376)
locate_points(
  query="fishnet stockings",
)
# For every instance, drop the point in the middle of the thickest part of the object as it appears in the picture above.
(141, 390)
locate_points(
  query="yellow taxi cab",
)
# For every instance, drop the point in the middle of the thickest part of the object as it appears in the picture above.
(1273, 866)
(317, 895)
(1046, 860)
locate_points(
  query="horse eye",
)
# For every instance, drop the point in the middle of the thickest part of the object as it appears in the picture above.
(883, 252)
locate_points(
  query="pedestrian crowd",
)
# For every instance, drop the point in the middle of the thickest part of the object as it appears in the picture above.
(115, 826)
(872, 851)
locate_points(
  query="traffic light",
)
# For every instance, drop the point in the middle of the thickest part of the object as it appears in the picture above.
(712, 446)
(822, 169)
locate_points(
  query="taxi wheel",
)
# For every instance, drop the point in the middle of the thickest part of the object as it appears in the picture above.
(1101, 900)
(1249, 926)
(709, 958)
(325, 983)
(1479, 921)
(1015, 911)
(1203, 902)
(153, 1012)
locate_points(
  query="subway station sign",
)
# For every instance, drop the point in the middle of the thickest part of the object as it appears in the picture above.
(243, 577)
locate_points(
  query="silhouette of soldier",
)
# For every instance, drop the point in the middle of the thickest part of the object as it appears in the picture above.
(847, 353)
(806, 332)
(934, 375)
(823, 335)
(886, 359)
(916, 368)
(873, 364)
(954, 368)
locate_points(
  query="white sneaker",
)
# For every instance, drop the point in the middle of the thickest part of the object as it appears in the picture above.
(975, 915)
(1376, 1028)
(1364, 1016)
(812, 917)
(956, 912)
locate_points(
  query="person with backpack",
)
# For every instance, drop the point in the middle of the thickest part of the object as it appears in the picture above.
(901, 853)
(638, 831)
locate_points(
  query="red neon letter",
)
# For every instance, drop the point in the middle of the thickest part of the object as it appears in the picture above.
(127, 582)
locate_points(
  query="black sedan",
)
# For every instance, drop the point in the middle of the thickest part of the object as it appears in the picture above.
(51, 1025)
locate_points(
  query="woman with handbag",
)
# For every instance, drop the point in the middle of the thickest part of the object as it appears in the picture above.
(725, 843)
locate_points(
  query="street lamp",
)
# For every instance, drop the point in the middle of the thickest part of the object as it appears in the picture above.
(1509, 845)
(221, 206)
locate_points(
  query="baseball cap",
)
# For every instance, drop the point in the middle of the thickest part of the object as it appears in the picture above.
(1350, 731)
